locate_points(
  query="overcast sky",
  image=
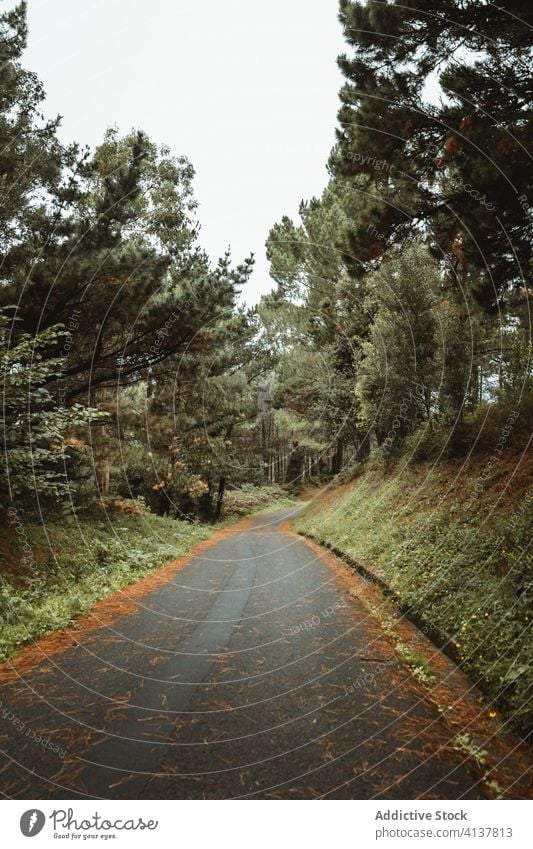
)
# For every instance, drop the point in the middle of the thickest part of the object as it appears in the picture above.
(247, 90)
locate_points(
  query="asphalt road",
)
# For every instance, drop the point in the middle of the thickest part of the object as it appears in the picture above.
(253, 673)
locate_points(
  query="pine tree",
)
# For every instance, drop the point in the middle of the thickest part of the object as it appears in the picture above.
(458, 168)
(397, 378)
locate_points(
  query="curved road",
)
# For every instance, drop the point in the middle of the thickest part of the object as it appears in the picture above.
(253, 673)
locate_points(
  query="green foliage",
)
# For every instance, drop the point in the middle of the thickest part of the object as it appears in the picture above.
(104, 280)
(72, 566)
(397, 374)
(253, 499)
(466, 745)
(457, 554)
(460, 163)
(420, 667)
(30, 153)
(198, 420)
(488, 428)
(314, 322)
(36, 453)
(119, 267)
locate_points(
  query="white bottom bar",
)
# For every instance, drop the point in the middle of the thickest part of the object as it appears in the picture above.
(261, 825)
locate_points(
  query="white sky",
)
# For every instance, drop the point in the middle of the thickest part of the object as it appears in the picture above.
(247, 90)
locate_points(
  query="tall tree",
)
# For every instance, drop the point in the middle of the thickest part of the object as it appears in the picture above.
(320, 303)
(121, 259)
(397, 379)
(31, 158)
(459, 165)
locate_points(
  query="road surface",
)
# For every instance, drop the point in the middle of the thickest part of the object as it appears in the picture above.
(252, 673)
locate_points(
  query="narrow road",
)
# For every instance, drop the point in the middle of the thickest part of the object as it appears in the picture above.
(253, 673)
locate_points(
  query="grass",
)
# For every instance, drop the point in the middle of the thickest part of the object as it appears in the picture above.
(418, 663)
(252, 499)
(52, 574)
(454, 544)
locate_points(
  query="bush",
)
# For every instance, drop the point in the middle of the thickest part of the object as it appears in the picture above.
(492, 426)
(251, 499)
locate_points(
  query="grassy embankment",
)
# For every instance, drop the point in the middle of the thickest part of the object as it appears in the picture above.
(453, 542)
(51, 575)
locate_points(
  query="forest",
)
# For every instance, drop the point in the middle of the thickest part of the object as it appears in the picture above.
(139, 392)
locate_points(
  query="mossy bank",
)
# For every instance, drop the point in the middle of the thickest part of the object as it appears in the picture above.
(454, 543)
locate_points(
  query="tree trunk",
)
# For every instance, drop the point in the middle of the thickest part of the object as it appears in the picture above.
(102, 477)
(337, 460)
(220, 497)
